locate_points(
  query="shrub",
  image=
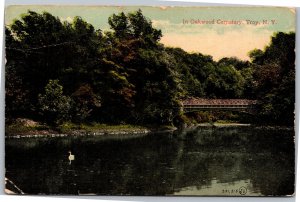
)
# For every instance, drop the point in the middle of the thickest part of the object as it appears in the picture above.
(53, 105)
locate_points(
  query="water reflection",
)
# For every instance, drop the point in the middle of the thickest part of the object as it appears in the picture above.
(199, 162)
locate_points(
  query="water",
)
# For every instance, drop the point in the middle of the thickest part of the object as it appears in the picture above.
(230, 162)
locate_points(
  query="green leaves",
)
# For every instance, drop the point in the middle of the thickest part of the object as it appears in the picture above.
(202, 77)
(134, 26)
(126, 75)
(120, 25)
(53, 105)
(274, 76)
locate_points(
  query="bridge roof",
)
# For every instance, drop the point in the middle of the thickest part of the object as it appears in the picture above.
(202, 101)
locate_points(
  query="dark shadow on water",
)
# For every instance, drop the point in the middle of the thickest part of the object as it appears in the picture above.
(199, 162)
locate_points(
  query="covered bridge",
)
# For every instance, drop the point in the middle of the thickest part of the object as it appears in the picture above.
(198, 104)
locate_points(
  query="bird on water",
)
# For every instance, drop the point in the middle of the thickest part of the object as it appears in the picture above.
(71, 157)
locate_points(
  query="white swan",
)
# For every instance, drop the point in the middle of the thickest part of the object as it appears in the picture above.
(71, 157)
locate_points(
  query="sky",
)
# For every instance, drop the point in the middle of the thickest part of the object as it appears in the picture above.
(217, 31)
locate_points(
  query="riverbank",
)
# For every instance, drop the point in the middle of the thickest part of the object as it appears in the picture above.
(31, 129)
(233, 125)
(52, 133)
(28, 128)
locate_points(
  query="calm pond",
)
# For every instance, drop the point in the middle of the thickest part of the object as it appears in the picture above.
(204, 161)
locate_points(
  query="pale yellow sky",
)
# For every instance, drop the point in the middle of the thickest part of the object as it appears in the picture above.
(233, 43)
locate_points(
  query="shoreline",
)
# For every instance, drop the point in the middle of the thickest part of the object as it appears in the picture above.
(76, 133)
(246, 125)
(135, 131)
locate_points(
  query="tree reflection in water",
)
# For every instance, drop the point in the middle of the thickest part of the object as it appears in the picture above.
(204, 161)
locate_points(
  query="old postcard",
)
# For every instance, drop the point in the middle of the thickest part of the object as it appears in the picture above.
(150, 101)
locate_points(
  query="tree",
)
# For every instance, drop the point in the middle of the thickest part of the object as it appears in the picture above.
(134, 26)
(40, 47)
(235, 62)
(248, 87)
(112, 84)
(16, 91)
(85, 101)
(33, 43)
(127, 75)
(189, 68)
(274, 76)
(53, 105)
(120, 25)
(224, 82)
(157, 87)
(147, 67)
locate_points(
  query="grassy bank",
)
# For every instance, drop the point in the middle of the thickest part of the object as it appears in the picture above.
(92, 127)
(25, 127)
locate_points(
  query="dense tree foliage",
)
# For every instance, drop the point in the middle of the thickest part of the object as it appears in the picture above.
(127, 75)
(274, 79)
(54, 106)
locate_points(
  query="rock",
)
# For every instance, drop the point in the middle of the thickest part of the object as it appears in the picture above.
(27, 122)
